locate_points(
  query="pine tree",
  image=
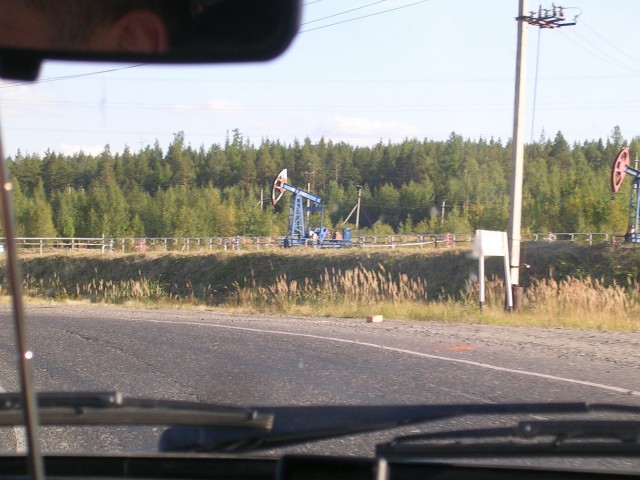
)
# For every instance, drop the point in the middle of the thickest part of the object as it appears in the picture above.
(38, 216)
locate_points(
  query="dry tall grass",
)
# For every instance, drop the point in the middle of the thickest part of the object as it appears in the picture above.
(586, 303)
(357, 292)
(98, 290)
(335, 288)
(573, 303)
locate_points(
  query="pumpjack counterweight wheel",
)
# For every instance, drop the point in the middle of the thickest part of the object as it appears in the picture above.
(619, 169)
(277, 191)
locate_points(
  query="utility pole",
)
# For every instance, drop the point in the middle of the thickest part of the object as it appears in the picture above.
(544, 18)
(359, 187)
(356, 209)
(308, 203)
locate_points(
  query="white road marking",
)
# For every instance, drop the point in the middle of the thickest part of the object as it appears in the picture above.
(21, 440)
(21, 435)
(488, 366)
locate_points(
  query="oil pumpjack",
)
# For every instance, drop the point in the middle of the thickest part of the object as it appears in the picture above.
(620, 169)
(298, 233)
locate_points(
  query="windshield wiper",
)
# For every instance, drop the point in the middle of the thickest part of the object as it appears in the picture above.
(528, 438)
(111, 408)
(295, 425)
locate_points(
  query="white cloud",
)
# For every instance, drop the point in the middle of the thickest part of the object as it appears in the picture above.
(18, 100)
(67, 149)
(352, 130)
(226, 105)
(370, 128)
(364, 131)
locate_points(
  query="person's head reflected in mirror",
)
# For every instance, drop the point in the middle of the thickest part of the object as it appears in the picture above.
(130, 26)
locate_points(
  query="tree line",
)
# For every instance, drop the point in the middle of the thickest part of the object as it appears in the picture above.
(415, 186)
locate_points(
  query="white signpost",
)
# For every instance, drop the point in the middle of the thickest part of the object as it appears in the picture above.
(492, 244)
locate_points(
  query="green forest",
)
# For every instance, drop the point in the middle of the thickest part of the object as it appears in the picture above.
(225, 190)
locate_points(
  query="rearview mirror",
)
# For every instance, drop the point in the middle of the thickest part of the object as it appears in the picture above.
(142, 31)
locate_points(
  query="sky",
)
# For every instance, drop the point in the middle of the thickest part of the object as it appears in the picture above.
(360, 72)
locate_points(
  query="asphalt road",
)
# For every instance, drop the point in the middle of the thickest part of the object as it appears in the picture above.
(258, 360)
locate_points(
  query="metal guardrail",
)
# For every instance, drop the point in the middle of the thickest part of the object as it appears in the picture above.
(189, 244)
(42, 245)
(590, 238)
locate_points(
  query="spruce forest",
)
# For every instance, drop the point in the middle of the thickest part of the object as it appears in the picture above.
(214, 191)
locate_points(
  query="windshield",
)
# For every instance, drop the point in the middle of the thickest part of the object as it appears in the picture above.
(301, 232)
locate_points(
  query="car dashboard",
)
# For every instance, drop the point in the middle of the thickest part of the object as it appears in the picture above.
(289, 467)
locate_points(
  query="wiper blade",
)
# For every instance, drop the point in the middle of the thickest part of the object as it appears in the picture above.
(111, 408)
(527, 438)
(294, 425)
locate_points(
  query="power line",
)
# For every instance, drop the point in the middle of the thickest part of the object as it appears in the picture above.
(604, 56)
(325, 107)
(535, 86)
(346, 11)
(615, 47)
(70, 77)
(364, 16)
(604, 39)
(600, 54)
(81, 75)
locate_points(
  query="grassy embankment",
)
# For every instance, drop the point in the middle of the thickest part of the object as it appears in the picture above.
(568, 285)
